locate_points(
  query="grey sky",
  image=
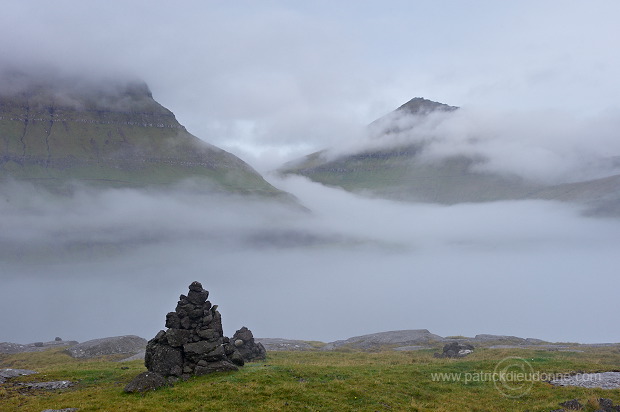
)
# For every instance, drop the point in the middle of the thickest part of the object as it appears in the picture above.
(272, 80)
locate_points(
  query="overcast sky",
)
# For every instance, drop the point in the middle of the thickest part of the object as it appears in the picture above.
(272, 80)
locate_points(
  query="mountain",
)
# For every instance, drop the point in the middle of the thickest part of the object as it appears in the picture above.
(396, 171)
(57, 129)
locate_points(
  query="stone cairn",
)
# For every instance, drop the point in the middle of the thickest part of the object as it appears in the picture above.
(244, 343)
(194, 343)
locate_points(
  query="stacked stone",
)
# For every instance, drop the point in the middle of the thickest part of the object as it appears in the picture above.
(194, 343)
(247, 347)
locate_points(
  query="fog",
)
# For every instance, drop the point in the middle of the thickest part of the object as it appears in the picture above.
(351, 266)
(549, 146)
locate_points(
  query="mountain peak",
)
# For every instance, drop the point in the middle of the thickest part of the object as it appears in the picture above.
(420, 105)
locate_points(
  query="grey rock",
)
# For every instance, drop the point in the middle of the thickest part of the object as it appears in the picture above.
(129, 344)
(146, 381)
(61, 410)
(50, 386)
(604, 380)
(379, 340)
(12, 373)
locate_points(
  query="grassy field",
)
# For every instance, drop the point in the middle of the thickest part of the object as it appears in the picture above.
(313, 381)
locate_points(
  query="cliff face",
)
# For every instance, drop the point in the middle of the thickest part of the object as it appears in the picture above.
(110, 133)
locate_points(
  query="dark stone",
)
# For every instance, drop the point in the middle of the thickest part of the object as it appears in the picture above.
(178, 337)
(197, 297)
(57, 339)
(237, 359)
(573, 405)
(185, 323)
(197, 349)
(607, 405)
(209, 334)
(146, 381)
(173, 321)
(163, 359)
(38, 344)
(243, 342)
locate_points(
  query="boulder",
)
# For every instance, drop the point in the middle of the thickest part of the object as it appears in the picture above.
(146, 381)
(129, 344)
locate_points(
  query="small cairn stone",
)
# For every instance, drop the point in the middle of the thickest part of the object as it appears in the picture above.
(247, 347)
(194, 343)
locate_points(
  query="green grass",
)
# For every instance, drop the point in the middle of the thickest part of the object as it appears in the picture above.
(312, 381)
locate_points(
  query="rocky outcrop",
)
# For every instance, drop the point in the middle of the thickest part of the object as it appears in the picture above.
(247, 347)
(194, 343)
(129, 344)
(377, 341)
(9, 347)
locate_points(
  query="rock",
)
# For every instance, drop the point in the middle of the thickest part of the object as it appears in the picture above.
(247, 347)
(50, 386)
(61, 410)
(57, 339)
(605, 380)
(573, 405)
(378, 341)
(455, 350)
(607, 405)
(129, 344)
(194, 342)
(38, 344)
(163, 359)
(146, 381)
(12, 373)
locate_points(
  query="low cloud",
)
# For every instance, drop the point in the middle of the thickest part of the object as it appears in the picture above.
(113, 262)
(547, 146)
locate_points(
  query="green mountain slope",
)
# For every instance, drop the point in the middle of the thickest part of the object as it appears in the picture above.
(58, 130)
(399, 173)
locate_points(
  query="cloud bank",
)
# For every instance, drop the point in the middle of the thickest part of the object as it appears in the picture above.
(114, 262)
(548, 146)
